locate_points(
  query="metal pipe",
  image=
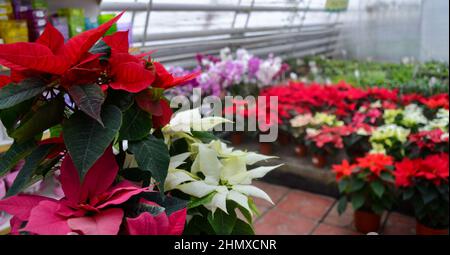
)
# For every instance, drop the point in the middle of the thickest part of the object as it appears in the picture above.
(117, 6)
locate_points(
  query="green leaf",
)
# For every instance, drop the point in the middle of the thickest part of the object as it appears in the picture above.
(11, 116)
(89, 98)
(87, 140)
(152, 155)
(15, 153)
(429, 196)
(198, 225)
(358, 201)
(32, 163)
(387, 177)
(253, 207)
(171, 204)
(136, 124)
(152, 209)
(101, 48)
(45, 117)
(195, 202)
(378, 188)
(242, 228)
(135, 174)
(222, 223)
(56, 131)
(120, 98)
(342, 185)
(205, 137)
(356, 184)
(408, 194)
(13, 94)
(342, 205)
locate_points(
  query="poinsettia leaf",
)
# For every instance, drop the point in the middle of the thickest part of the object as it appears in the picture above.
(55, 131)
(101, 48)
(16, 152)
(342, 204)
(120, 98)
(87, 140)
(136, 175)
(198, 225)
(408, 194)
(253, 207)
(32, 163)
(221, 222)
(356, 184)
(136, 124)
(12, 115)
(378, 188)
(15, 93)
(171, 204)
(242, 228)
(152, 209)
(195, 202)
(89, 98)
(157, 163)
(47, 116)
(205, 137)
(343, 185)
(387, 177)
(358, 201)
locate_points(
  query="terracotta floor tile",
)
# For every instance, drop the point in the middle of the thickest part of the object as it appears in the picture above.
(275, 192)
(398, 224)
(325, 229)
(345, 220)
(279, 223)
(305, 204)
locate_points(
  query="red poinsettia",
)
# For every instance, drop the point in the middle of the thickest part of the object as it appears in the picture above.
(343, 170)
(49, 55)
(331, 135)
(4, 80)
(376, 163)
(434, 168)
(428, 139)
(437, 101)
(89, 207)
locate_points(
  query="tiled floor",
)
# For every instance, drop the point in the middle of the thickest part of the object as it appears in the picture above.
(302, 213)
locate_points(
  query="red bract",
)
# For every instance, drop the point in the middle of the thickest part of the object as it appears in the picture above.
(376, 163)
(4, 80)
(434, 168)
(165, 80)
(148, 224)
(126, 72)
(89, 207)
(404, 172)
(49, 54)
(428, 139)
(437, 101)
(343, 170)
(331, 135)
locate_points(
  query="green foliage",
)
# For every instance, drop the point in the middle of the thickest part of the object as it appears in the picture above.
(13, 94)
(87, 140)
(35, 123)
(136, 124)
(89, 98)
(425, 78)
(152, 155)
(17, 152)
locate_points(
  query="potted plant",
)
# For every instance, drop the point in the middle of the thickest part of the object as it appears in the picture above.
(369, 185)
(298, 126)
(424, 184)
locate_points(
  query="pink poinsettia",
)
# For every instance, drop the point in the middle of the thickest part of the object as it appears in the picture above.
(89, 207)
(161, 224)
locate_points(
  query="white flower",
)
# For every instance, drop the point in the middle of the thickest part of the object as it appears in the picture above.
(221, 172)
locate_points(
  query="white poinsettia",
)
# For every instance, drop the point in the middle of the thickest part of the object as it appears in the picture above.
(220, 172)
(183, 123)
(440, 122)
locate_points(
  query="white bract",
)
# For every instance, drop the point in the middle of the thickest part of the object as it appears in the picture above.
(220, 173)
